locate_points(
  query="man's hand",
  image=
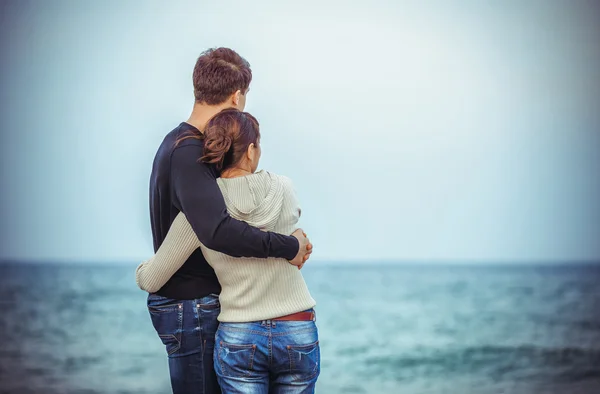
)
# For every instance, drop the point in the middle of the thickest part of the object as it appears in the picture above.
(304, 250)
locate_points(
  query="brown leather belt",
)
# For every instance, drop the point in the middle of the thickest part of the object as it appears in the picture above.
(298, 316)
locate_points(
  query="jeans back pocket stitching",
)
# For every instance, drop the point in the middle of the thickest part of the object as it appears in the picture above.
(228, 345)
(165, 308)
(159, 310)
(168, 336)
(292, 363)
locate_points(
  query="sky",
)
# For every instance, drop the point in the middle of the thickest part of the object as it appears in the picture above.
(413, 131)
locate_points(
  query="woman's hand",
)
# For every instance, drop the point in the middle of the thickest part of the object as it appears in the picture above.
(304, 250)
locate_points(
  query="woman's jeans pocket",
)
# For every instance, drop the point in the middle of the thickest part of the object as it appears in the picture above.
(167, 319)
(235, 352)
(304, 361)
(235, 360)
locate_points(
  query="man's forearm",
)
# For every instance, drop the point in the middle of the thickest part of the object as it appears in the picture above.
(200, 199)
(239, 239)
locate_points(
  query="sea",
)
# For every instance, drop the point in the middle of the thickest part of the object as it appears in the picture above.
(384, 328)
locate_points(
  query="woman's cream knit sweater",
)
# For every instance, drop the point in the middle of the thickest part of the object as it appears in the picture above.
(252, 289)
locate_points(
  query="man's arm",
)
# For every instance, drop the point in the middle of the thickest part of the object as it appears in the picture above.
(201, 201)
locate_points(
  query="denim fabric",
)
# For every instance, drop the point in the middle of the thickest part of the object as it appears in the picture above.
(187, 329)
(275, 357)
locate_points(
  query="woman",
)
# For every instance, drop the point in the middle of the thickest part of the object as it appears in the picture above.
(267, 340)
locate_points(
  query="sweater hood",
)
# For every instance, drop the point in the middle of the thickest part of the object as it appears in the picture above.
(256, 199)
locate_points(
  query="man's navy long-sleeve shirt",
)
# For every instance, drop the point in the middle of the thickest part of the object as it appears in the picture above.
(180, 182)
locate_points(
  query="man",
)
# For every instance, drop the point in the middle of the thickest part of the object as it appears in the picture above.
(184, 311)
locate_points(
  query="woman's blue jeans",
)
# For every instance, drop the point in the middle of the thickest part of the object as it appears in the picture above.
(270, 356)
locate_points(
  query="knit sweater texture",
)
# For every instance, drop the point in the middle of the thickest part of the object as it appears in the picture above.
(253, 289)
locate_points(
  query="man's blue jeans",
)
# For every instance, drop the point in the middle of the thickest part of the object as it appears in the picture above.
(274, 357)
(187, 329)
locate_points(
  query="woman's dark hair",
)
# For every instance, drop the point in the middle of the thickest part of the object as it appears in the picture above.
(227, 137)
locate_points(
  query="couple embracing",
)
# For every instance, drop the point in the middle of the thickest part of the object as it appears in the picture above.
(227, 297)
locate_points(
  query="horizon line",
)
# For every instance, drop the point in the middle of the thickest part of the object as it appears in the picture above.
(341, 262)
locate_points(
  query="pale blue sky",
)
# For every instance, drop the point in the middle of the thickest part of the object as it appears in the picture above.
(445, 131)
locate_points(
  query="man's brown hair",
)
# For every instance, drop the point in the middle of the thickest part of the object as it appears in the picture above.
(220, 72)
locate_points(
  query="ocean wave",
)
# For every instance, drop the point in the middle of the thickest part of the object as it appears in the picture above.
(498, 362)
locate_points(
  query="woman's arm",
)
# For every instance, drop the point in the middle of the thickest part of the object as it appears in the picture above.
(179, 244)
(291, 210)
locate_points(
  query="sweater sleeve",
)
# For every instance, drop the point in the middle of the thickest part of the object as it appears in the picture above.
(179, 244)
(200, 199)
(291, 206)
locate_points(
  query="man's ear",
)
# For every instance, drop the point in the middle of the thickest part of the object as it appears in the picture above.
(236, 97)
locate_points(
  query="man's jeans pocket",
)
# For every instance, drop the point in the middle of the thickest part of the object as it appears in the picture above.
(167, 319)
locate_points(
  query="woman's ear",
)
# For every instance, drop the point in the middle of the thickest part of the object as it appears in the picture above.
(250, 152)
